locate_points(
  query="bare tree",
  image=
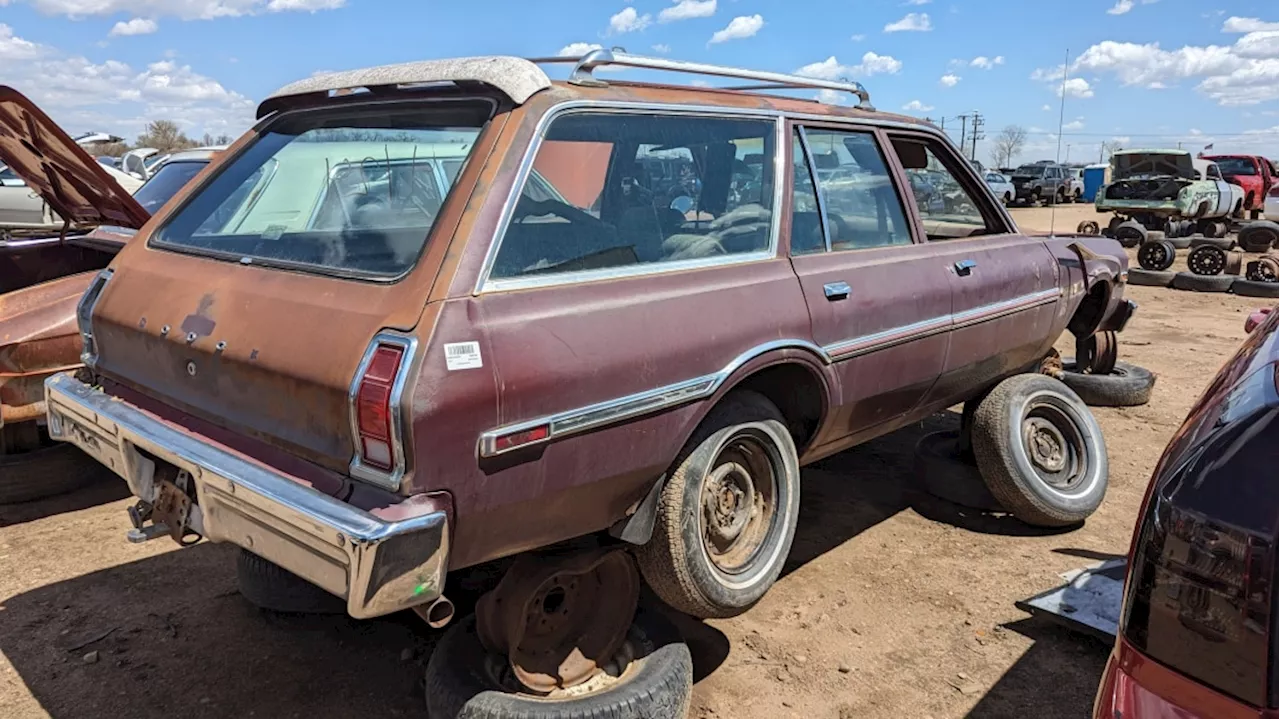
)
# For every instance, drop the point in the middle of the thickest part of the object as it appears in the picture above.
(1008, 145)
(212, 140)
(1107, 149)
(164, 135)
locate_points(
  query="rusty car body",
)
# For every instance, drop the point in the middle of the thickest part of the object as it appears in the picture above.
(42, 276)
(373, 405)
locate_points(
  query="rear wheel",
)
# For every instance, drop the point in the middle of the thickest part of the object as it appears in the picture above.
(727, 514)
(269, 586)
(1041, 451)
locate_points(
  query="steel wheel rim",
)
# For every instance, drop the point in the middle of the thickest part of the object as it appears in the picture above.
(1054, 446)
(1152, 256)
(739, 501)
(1207, 260)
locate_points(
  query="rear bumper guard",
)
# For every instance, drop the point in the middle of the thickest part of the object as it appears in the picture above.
(379, 566)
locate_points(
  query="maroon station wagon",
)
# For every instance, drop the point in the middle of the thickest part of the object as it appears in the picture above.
(430, 315)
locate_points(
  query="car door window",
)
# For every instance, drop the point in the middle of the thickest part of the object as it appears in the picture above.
(618, 190)
(806, 228)
(862, 206)
(947, 208)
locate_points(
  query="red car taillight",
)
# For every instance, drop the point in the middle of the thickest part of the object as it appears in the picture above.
(376, 425)
(373, 406)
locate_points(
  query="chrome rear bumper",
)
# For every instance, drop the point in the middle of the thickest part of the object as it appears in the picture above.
(379, 566)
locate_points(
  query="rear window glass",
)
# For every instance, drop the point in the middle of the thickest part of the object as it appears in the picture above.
(1236, 166)
(616, 190)
(165, 184)
(350, 192)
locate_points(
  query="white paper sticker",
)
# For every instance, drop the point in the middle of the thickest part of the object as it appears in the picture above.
(462, 355)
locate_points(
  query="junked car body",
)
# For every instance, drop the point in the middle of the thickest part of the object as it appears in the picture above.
(473, 313)
(43, 277)
(1152, 186)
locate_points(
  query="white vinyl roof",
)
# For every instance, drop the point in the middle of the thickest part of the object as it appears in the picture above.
(514, 77)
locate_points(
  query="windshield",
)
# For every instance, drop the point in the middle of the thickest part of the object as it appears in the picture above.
(166, 182)
(1236, 166)
(353, 191)
(1035, 170)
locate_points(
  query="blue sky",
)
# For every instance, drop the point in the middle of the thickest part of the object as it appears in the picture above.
(1142, 72)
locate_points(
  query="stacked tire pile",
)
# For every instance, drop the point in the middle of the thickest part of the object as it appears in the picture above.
(1214, 264)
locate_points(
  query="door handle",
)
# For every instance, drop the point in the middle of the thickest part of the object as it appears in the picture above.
(964, 267)
(836, 291)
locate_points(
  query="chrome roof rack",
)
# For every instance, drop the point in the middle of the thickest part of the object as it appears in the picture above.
(584, 66)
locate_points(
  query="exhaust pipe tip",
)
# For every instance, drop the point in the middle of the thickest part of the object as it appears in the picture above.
(437, 614)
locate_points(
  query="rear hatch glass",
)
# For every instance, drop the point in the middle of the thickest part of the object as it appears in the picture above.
(349, 192)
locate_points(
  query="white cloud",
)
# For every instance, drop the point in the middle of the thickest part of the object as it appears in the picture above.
(986, 63)
(911, 22)
(1076, 124)
(832, 97)
(136, 26)
(858, 38)
(1077, 87)
(628, 20)
(1235, 24)
(182, 9)
(687, 10)
(1122, 139)
(662, 48)
(1046, 108)
(1121, 7)
(872, 64)
(578, 49)
(917, 106)
(949, 80)
(112, 96)
(740, 27)
(917, 2)
(15, 48)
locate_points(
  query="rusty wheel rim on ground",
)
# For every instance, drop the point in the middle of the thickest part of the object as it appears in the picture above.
(557, 626)
(1088, 227)
(739, 499)
(1207, 260)
(1055, 446)
(1097, 353)
(1264, 269)
(1235, 259)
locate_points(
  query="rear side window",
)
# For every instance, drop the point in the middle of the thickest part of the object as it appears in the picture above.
(166, 182)
(619, 190)
(948, 209)
(353, 191)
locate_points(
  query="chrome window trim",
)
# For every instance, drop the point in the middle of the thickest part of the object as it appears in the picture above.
(582, 419)
(400, 469)
(817, 189)
(84, 318)
(484, 284)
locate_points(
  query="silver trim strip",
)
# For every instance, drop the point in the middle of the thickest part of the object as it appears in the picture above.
(380, 566)
(400, 464)
(617, 410)
(818, 194)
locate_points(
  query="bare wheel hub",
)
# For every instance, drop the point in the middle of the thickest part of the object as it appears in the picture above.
(1045, 444)
(738, 497)
(1097, 353)
(728, 502)
(562, 620)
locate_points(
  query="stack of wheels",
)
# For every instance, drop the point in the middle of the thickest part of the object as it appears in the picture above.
(1179, 232)
(1155, 257)
(1261, 278)
(1259, 236)
(1223, 243)
(1036, 448)
(1128, 233)
(1207, 264)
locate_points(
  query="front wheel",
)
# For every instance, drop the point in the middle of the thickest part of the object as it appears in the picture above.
(727, 514)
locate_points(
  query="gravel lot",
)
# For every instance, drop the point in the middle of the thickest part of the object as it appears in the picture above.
(893, 603)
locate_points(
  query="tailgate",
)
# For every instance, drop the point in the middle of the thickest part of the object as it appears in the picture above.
(260, 352)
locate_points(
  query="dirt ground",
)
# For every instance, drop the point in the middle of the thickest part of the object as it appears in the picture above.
(893, 603)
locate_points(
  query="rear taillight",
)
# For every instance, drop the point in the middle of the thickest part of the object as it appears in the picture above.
(84, 317)
(375, 409)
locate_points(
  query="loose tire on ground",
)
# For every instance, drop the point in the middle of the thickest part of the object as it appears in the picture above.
(1130, 234)
(943, 471)
(1258, 236)
(47, 472)
(1222, 243)
(1254, 288)
(269, 586)
(1150, 278)
(461, 682)
(1125, 386)
(676, 562)
(1179, 243)
(1202, 283)
(1156, 255)
(1032, 493)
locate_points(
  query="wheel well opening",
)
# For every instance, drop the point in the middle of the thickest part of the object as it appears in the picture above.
(797, 394)
(1089, 313)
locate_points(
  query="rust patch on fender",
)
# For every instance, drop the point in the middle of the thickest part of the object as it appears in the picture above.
(199, 322)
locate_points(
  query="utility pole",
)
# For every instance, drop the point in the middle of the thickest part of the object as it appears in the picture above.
(976, 135)
(1068, 157)
(964, 119)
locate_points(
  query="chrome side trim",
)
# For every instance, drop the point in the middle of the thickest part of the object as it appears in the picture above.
(614, 273)
(380, 566)
(885, 339)
(400, 464)
(633, 405)
(1004, 308)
